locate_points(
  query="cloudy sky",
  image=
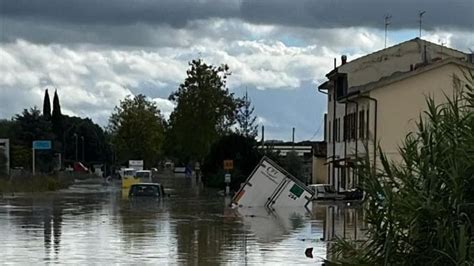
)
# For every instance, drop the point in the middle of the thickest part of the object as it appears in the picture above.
(96, 52)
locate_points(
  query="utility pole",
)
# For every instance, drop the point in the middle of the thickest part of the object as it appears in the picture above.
(75, 139)
(293, 140)
(420, 20)
(387, 22)
(263, 137)
(82, 138)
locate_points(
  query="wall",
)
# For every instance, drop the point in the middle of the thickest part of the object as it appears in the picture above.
(320, 171)
(385, 62)
(401, 103)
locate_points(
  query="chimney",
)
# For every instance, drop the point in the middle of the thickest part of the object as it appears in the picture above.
(343, 59)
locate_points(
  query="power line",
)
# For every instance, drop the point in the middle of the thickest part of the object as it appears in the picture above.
(317, 130)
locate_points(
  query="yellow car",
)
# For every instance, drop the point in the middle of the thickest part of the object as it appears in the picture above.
(129, 178)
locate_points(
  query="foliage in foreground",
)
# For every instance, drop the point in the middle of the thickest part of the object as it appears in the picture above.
(421, 211)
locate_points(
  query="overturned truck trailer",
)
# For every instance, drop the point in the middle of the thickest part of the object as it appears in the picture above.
(271, 186)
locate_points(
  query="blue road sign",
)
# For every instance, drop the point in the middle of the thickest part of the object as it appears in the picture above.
(42, 144)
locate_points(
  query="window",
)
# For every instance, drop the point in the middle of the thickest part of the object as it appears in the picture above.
(341, 86)
(350, 127)
(337, 130)
(354, 126)
(367, 125)
(361, 124)
(344, 134)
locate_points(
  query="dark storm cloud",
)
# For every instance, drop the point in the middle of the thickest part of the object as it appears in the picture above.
(301, 13)
(365, 13)
(118, 12)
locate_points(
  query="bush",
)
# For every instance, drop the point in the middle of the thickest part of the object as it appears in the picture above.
(34, 184)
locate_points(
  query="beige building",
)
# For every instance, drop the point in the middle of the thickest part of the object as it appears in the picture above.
(378, 98)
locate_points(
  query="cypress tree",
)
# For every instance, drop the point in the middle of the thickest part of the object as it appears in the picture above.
(57, 116)
(46, 106)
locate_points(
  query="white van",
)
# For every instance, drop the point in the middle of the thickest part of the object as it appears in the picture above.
(144, 176)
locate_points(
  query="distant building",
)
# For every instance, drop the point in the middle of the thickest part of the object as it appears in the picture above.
(5, 153)
(319, 171)
(378, 98)
(312, 153)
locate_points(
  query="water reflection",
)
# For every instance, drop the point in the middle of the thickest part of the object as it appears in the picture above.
(340, 220)
(93, 224)
(273, 225)
(52, 223)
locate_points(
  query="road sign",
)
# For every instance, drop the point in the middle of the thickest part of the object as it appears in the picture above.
(228, 164)
(136, 164)
(227, 178)
(42, 145)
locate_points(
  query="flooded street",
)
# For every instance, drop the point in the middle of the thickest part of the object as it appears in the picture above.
(95, 224)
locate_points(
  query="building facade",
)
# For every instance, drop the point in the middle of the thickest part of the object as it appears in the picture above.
(5, 156)
(377, 99)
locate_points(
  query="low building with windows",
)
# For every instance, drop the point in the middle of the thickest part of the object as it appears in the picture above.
(377, 99)
(312, 154)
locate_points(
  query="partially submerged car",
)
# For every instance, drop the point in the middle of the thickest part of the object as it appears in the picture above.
(146, 190)
(325, 192)
(353, 194)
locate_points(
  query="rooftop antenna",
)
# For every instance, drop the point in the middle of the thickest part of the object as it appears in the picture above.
(442, 43)
(420, 20)
(387, 22)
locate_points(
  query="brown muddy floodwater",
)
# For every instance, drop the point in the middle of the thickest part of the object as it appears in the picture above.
(94, 224)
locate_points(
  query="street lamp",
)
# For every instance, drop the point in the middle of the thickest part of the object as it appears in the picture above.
(66, 134)
(82, 138)
(75, 138)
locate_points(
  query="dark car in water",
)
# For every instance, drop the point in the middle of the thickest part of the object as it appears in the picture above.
(146, 190)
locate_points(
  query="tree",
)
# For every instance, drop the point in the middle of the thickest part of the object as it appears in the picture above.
(420, 211)
(137, 129)
(242, 150)
(246, 120)
(294, 165)
(46, 106)
(205, 110)
(57, 117)
(96, 147)
(31, 126)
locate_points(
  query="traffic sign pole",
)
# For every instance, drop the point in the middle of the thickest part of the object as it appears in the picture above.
(33, 159)
(228, 166)
(39, 145)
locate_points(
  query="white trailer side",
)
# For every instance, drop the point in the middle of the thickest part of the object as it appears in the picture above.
(270, 185)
